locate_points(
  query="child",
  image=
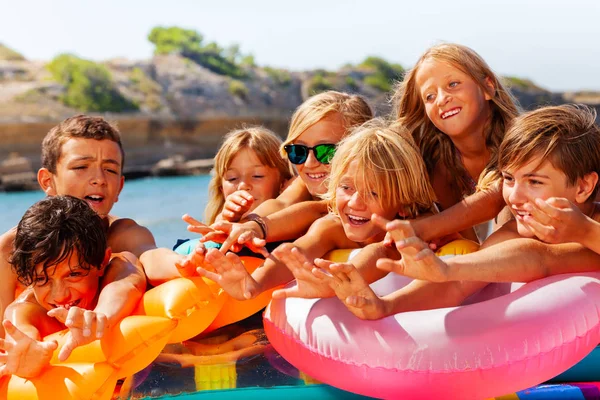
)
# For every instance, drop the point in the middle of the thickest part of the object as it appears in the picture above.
(457, 110)
(375, 170)
(60, 251)
(315, 129)
(83, 157)
(549, 152)
(248, 170)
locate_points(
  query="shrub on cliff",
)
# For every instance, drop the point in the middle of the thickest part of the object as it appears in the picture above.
(384, 73)
(88, 86)
(320, 82)
(8, 54)
(188, 43)
(279, 76)
(238, 89)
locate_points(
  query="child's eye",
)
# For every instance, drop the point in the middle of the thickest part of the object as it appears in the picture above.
(112, 171)
(453, 84)
(80, 167)
(40, 281)
(374, 195)
(230, 179)
(507, 178)
(429, 97)
(535, 182)
(258, 176)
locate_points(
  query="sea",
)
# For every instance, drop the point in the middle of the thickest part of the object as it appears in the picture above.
(156, 203)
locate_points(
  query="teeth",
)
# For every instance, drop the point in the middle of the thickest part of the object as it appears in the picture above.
(357, 219)
(96, 198)
(316, 176)
(450, 113)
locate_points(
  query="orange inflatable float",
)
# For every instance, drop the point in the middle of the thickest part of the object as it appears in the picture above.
(169, 313)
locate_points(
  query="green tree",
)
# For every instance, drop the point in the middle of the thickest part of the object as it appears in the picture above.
(189, 44)
(88, 86)
(384, 73)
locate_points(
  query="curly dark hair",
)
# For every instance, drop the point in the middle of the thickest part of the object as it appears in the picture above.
(51, 230)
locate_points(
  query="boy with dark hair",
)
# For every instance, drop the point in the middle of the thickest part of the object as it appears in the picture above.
(550, 163)
(60, 253)
(82, 157)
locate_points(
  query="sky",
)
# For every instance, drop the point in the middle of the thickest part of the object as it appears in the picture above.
(555, 43)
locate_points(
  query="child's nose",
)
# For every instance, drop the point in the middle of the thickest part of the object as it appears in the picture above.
(311, 160)
(443, 97)
(356, 201)
(244, 185)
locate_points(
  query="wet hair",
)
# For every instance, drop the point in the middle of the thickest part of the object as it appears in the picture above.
(353, 109)
(79, 127)
(264, 143)
(50, 231)
(567, 136)
(436, 147)
(389, 164)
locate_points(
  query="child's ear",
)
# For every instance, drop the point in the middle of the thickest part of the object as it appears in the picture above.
(585, 187)
(44, 178)
(490, 88)
(107, 256)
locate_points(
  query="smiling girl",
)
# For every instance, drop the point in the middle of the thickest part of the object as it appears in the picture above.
(376, 170)
(457, 110)
(315, 130)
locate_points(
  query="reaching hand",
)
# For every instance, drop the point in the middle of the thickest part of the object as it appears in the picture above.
(23, 356)
(85, 326)
(187, 265)
(238, 235)
(230, 274)
(351, 288)
(555, 220)
(418, 260)
(236, 205)
(307, 285)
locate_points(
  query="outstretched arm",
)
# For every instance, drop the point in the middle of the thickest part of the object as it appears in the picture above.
(8, 279)
(470, 211)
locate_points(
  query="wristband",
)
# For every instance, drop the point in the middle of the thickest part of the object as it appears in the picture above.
(261, 223)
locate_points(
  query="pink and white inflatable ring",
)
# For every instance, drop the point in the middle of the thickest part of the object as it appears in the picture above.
(511, 337)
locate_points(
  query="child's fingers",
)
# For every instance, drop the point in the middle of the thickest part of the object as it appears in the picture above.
(235, 261)
(323, 264)
(543, 232)
(411, 243)
(345, 268)
(389, 265)
(59, 313)
(191, 220)
(228, 242)
(208, 274)
(5, 345)
(356, 301)
(379, 221)
(325, 276)
(201, 229)
(551, 204)
(89, 320)
(286, 292)
(12, 330)
(101, 322)
(70, 345)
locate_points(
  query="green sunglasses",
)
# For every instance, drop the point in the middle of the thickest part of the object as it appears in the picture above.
(298, 153)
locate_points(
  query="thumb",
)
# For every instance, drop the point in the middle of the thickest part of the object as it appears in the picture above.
(67, 348)
(59, 313)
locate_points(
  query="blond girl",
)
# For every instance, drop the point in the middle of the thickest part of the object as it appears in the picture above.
(457, 110)
(315, 130)
(377, 169)
(248, 171)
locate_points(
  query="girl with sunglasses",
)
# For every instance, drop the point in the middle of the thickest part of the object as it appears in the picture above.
(377, 170)
(315, 129)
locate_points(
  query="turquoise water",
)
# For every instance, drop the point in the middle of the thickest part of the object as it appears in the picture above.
(157, 203)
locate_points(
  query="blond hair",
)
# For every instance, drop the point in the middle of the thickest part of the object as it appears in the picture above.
(265, 145)
(390, 165)
(565, 135)
(434, 144)
(353, 109)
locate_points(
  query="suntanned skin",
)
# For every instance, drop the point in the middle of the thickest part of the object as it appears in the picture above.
(86, 167)
(28, 320)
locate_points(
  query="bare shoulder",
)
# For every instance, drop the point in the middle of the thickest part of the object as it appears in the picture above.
(330, 227)
(6, 241)
(505, 232)
(294, 193)
(124, 234)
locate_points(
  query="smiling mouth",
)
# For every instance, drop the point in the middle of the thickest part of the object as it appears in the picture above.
(357, 221)
(451, 113)
(67, 305)
(316, 177)
(521, 214)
